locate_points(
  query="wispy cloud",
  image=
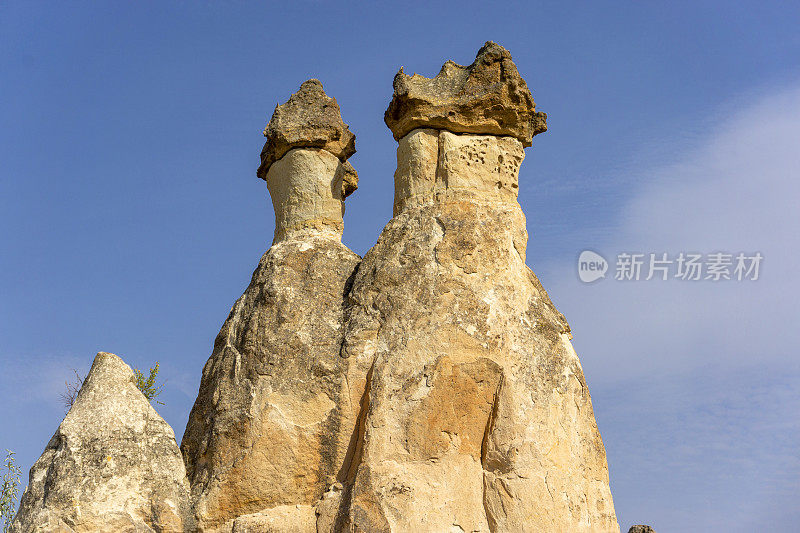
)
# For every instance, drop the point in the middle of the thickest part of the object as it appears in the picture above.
(696, 385)
(737, 191)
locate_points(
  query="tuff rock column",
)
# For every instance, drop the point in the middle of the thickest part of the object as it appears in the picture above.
(113, 465)
(266, 436)
(476, 415)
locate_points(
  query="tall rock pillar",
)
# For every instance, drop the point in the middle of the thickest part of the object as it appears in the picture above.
(476, 415)
(261, 445)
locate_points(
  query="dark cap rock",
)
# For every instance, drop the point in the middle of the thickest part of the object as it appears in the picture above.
(487, 97)
(641, 529)
(309, 119)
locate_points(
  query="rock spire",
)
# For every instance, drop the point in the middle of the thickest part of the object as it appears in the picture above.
(431, 386)
(270, 431)
(304, 163)
(477, 416)
(113, 465)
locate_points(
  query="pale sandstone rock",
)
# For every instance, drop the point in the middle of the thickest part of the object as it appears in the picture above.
(433, 387)
(272, 426)
(486, 97)
(310, 118)
(476, 413)
(331, 513)
(480, 165)
(415, 177)
(269, 424)
(307, 187)
(112, 466)
(280, 519)
(435, 163)
(430, 388)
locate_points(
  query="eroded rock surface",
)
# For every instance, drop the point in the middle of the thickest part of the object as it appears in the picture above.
(641, 529)
(431, 387)
(268, 426)
(477, 414)
(272, 426)
(308, 187)
(112, 466)
(487, 97)
(310, 118)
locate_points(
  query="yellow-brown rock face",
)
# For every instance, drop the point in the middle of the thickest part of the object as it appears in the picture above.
(270, 430)
(477, 415)
(431, 387)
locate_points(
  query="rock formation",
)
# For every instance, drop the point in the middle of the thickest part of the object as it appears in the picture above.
(309, 119)
(477, 414)
(113, 465)
(268, 434)
(431, 387)
(641, 529)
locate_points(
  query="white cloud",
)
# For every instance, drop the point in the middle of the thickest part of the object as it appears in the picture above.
(736, 192)
(696, 384)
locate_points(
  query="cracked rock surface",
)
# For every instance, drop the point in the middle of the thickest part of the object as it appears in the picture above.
(268, 426)
(430, 387)
(477, 414)
(113, 465)
(309, 119)
(487, 97)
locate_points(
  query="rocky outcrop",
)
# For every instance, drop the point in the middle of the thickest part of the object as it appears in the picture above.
(304, 163)
(477, 414)
(270, 430)
(431, 387)
(309, 119)
(487, 97)
(267, 428)
(641, 529)
(113, 465)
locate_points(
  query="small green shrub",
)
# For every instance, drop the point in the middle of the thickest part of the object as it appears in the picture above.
(9, 491)
(148, 385)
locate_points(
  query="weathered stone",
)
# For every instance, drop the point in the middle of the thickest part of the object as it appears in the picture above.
(486, 97)
(349, 179)
(415, 177)
(331, 516)
(307, 187)
(432, 164)
(113, 465)
(309, 119)
(272, 426)
(641, 529)
(269, 427)
(431, 387)
(482, 165)
(476, 412)
(280, 519)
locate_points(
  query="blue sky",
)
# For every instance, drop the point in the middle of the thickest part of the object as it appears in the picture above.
(132, 218)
